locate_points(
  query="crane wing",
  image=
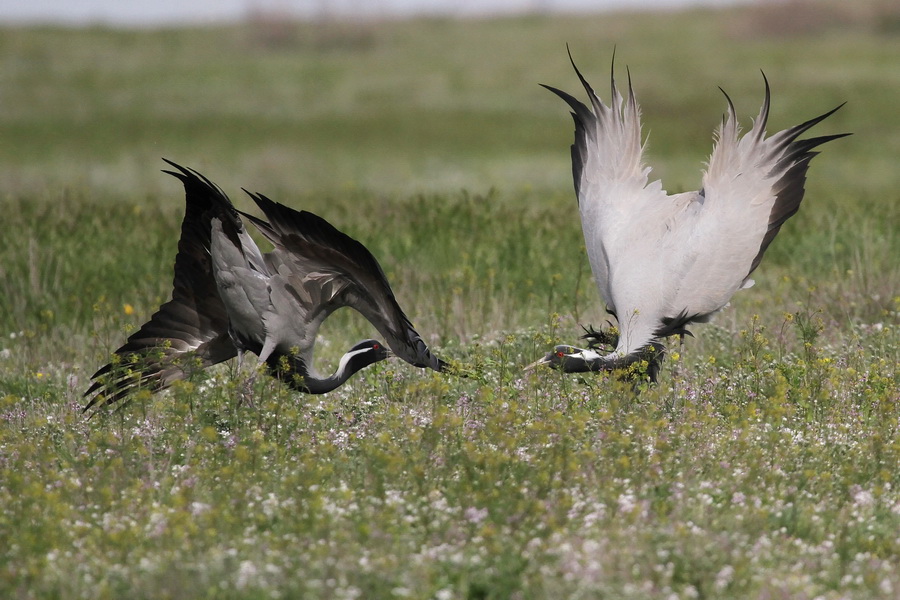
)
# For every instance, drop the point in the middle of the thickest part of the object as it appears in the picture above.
(611, 181)
(193, 324)
(323, 268)
(660, 261)
(752, 185)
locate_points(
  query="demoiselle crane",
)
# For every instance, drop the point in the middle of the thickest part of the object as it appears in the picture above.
(663, 262)
(229, 298)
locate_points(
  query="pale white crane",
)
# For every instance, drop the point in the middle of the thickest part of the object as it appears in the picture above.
(229, 298)
(663, 262)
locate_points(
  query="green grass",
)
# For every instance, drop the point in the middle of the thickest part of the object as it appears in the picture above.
(765, 464)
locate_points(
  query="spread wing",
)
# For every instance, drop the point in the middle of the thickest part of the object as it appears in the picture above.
(324, 268)
(752, 185)
(661, 261)
(192, 326)
(611, 181)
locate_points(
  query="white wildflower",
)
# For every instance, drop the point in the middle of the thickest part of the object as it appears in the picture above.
(626, 502)
(724, 577)
(198, 508)
(270, 505)
(863, 498)
(246, 573)
(476, 515)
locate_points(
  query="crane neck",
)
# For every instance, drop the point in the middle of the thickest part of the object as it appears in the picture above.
(592, 361)
(300, 377)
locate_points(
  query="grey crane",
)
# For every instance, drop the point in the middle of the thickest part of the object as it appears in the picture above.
(663, 262)
(228, 298)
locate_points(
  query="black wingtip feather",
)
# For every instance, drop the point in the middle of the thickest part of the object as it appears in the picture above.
(764, 113)
(583, 117)
(731, 110)
(794, 132)
(584, 83)
(794, 157)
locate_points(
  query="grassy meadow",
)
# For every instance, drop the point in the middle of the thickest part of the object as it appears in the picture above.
(765, 464)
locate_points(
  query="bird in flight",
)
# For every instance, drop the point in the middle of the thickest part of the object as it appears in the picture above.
(228, 298)
(663, 262)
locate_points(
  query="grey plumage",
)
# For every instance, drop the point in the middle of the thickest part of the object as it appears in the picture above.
(229, 298)
(193, 324)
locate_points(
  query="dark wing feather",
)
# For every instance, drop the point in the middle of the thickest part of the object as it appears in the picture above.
(309, 242)
(193, 322)
(790, 189)
(793, 158)
(752, 185)
(585, 122)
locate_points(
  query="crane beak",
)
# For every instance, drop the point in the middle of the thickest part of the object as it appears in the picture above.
(544, 361)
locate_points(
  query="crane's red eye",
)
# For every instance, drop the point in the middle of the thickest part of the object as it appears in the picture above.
(375, 346)
(560, 353)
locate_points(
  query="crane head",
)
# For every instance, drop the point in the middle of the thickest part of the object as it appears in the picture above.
(569, 359)
(367, 352)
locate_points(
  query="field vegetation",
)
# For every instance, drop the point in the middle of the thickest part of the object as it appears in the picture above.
(766, 463)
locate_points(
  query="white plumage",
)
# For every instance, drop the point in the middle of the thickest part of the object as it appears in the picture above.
(664, 261)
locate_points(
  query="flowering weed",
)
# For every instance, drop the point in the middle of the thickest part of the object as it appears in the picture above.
(764, 464)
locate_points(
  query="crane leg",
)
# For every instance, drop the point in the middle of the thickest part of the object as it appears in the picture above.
(680, 355)
(245, 394)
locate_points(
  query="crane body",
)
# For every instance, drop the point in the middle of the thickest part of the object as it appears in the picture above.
(663, 262)
(229, 298)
